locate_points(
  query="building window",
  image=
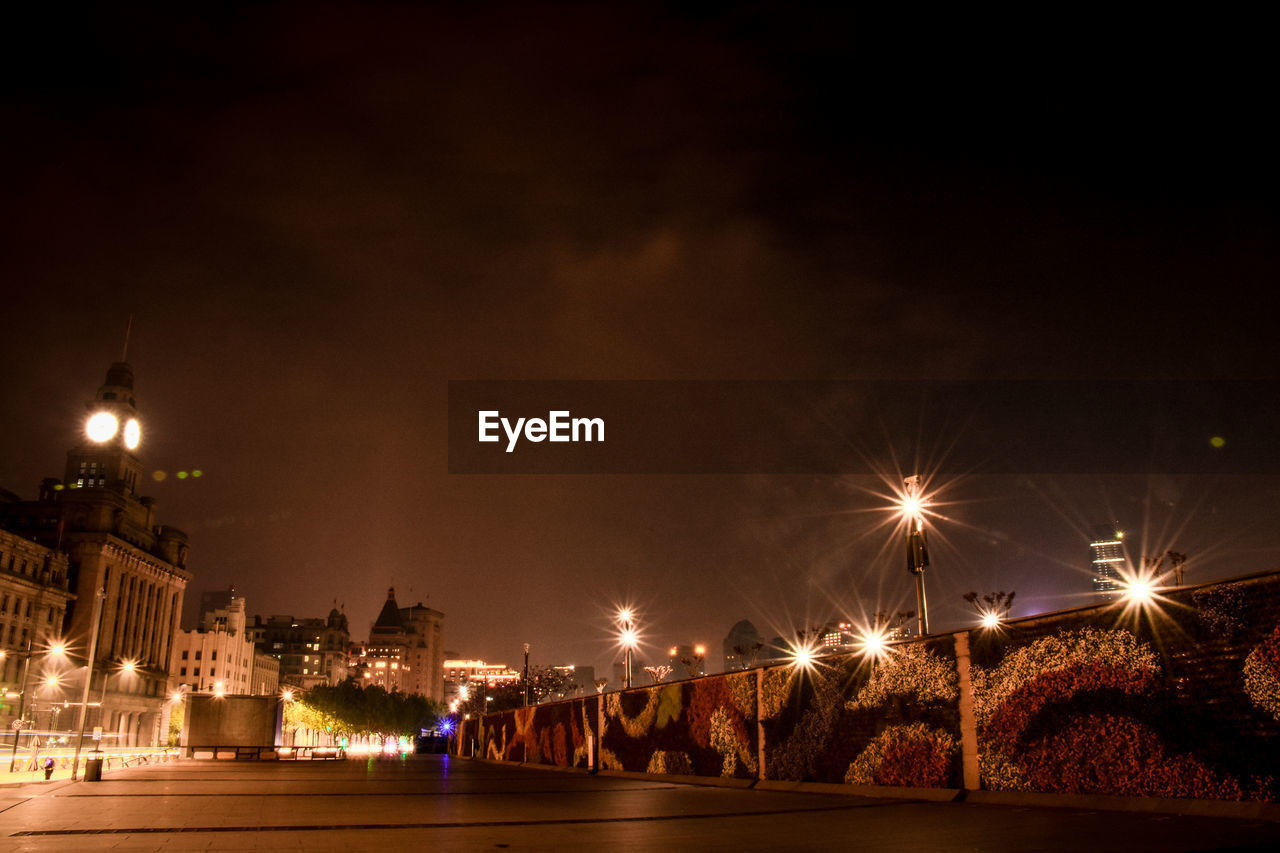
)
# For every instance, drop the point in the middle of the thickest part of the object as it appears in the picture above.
(215, 654)
(197, 654)
(184, 654)
(196, 673)
(183, 671)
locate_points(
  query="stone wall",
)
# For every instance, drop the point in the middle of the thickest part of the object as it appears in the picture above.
(1176, 698)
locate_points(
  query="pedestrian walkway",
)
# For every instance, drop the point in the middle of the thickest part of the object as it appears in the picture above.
(448, 804)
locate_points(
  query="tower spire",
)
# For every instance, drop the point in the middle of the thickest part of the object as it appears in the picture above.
(124, 353)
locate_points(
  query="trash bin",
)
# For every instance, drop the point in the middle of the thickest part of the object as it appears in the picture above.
(93, 770)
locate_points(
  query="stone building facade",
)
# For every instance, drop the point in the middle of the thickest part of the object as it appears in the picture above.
(220, 657)
(127, 571)
(34, 595)
(405, 651)
(310, 651)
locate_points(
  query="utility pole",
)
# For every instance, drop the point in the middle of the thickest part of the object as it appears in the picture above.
(528, 688)
(88, 676)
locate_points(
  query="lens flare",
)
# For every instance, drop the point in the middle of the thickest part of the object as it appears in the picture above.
(874, 642)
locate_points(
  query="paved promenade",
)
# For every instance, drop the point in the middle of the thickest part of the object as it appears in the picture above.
(440, 804)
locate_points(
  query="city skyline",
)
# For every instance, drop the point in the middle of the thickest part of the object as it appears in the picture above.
(317, 220)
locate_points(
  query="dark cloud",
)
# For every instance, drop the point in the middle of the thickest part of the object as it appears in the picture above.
(319, 214)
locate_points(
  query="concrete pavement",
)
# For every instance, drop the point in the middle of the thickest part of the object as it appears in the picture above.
(438, 803)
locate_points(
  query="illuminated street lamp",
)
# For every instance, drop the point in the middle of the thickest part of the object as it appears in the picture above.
(128, 667)
(625, 617)
(917, 545)
(57, 649)
(874, 642)
(1139, 590)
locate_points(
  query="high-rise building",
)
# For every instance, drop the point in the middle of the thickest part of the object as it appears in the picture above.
(128, 572)
(1106, 559)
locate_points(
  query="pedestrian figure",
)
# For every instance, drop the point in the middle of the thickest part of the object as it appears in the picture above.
(48, 768)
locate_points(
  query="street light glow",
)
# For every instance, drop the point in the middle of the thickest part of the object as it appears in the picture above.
(1139, 590)
(874, 642)
(990, 620)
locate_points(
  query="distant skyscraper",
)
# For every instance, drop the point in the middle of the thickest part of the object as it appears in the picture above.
(742, 647)
(1106, 558)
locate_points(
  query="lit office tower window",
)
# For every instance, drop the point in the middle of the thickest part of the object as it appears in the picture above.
(1106, 553)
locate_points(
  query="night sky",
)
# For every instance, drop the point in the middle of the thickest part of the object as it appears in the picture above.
(318, 215)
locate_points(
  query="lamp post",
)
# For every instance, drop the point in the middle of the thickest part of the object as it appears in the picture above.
(88, 676)
(917, 546)
(56, 649)
(625, 616)
(528, 688)
(126, 668)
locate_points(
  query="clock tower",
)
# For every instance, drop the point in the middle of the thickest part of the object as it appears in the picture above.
(106, 457)
(116, 553)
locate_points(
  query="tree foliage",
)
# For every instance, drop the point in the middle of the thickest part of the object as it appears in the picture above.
(348, 708)
(545, 683)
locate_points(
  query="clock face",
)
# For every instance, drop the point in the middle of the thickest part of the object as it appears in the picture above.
(101, 427)
(132, 433)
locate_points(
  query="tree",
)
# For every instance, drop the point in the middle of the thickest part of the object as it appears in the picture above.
(348, 708)
(658, 673)
(1176, 560)
(546, 682)
(748, 654)
(993, 603)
